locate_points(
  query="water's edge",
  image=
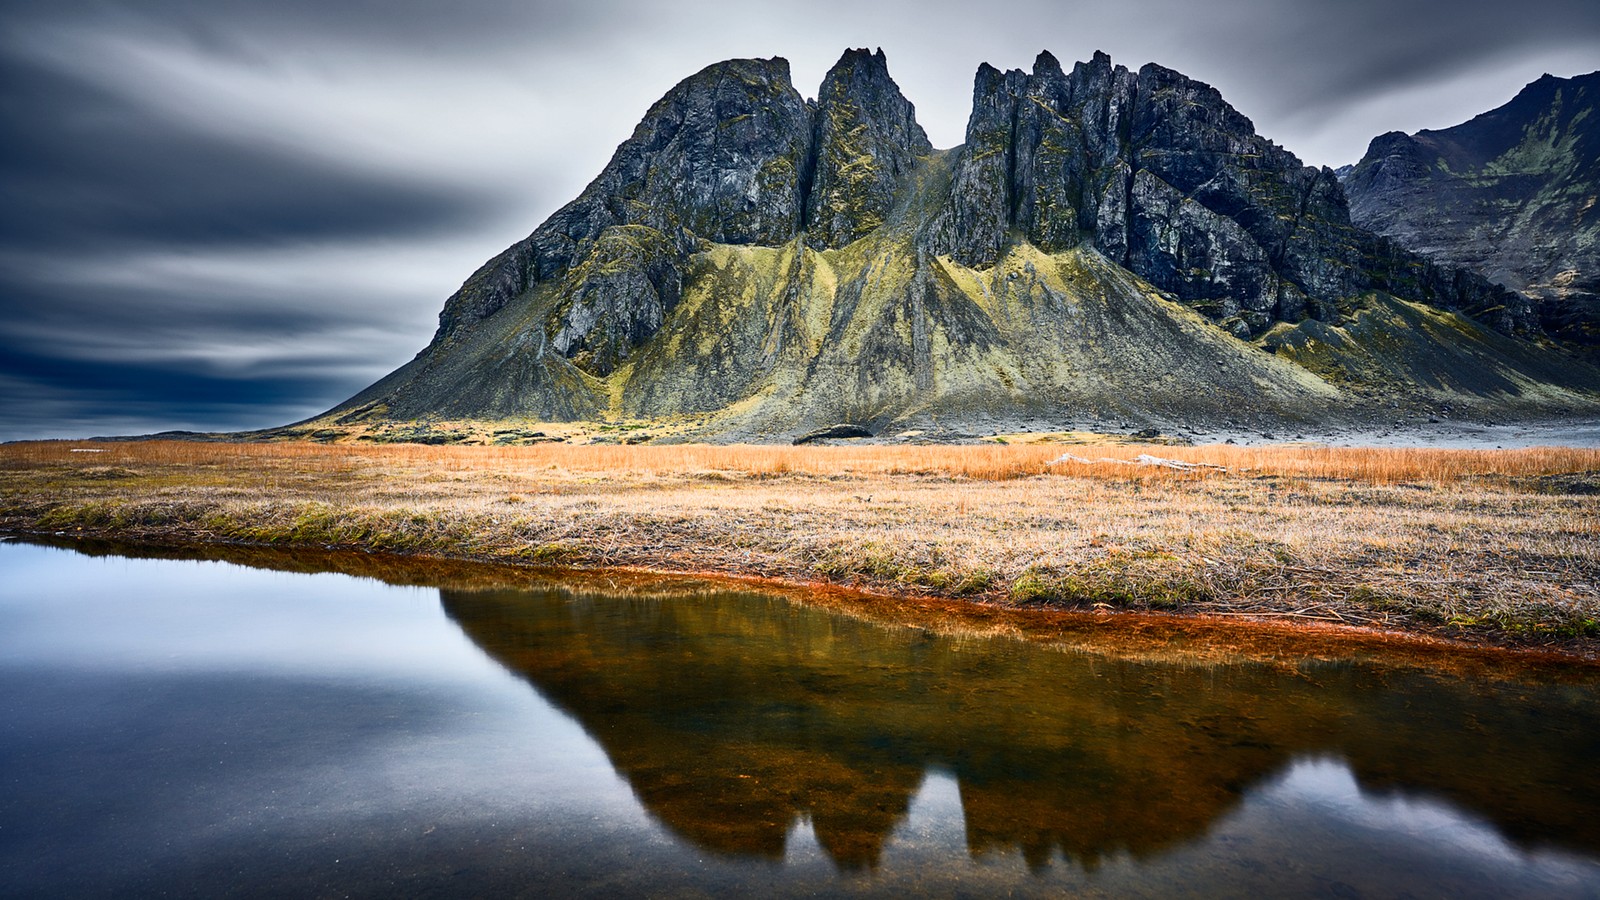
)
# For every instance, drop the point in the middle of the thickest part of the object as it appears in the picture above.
(1168, 637)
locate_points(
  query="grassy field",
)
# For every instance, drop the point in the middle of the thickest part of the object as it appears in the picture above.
(1497, 545)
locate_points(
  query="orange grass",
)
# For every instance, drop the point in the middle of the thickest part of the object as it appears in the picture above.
(988, 462)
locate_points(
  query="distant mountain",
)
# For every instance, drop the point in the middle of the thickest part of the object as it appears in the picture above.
(1512, 195)
(1106, 244)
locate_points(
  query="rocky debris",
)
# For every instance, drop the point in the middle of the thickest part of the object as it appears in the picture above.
(524, 436)
(419, 433)
(1510, 195)
(843, 430)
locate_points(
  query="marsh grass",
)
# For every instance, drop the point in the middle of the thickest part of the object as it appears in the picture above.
(987, 462)
(1503, 542)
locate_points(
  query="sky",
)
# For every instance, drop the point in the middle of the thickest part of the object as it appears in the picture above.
(231, 214)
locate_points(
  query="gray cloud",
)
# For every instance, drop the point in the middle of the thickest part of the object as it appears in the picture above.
(410, 26)
(227, 213)
(78, 167)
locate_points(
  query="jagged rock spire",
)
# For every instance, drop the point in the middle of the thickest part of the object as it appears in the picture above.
(731, 155)
(867, 139)
(1164, 177)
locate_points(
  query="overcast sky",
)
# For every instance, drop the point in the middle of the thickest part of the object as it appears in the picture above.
(225, 214)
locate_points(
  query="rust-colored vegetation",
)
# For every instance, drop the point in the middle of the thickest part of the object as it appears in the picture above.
(986, 462)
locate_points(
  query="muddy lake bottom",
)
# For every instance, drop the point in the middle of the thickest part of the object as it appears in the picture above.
(199, 728)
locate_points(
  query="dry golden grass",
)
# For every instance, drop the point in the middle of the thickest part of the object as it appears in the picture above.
(987, 462)
(1502, 542)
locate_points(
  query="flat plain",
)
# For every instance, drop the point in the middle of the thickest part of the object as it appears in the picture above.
(1489, 546)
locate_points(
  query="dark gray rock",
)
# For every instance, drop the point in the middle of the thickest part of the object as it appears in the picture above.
(842, 430)
(693, 281)
(867, 139)
(721, 158)
(617, 298)
(1509, 195)
(974, 224)
(1161, 175)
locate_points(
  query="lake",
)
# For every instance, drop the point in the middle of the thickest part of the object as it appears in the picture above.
(197, 728)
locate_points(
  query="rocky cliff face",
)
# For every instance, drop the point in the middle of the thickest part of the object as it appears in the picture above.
(1161, 175)
(722, 157)
(1106, 244)
(731, 155)
(1510, 195)
(867, 141)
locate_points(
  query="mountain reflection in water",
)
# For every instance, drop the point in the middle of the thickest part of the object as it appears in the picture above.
(735, 717)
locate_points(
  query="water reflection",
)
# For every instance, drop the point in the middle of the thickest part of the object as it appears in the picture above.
(175, 728)
(736, 717)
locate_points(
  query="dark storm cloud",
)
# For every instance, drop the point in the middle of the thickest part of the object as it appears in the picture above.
(114, 387)
(1323, 78)
(115, 212)
(153, 359)
(232, 213)
(120, 399)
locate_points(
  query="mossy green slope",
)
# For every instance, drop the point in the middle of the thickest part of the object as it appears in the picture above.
(1392, 349)
(779, 340)
(501, 368)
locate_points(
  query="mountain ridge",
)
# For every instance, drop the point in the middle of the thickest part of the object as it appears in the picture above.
(1105, 244)
(1510, 194)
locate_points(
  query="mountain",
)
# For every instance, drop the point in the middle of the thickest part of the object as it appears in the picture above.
(1511, 195)
(1106, 245)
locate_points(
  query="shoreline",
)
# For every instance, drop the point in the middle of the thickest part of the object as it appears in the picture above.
(1152, 636)
(1477, 548)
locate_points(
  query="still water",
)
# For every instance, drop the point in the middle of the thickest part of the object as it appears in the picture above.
(202, 728)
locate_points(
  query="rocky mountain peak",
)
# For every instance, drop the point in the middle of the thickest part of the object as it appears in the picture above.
(750, 258)
(1159, 173)
(866, 141)
(1509, 194)
(730, 155)
(720, 157)
(1045, 65)
(862, 59)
